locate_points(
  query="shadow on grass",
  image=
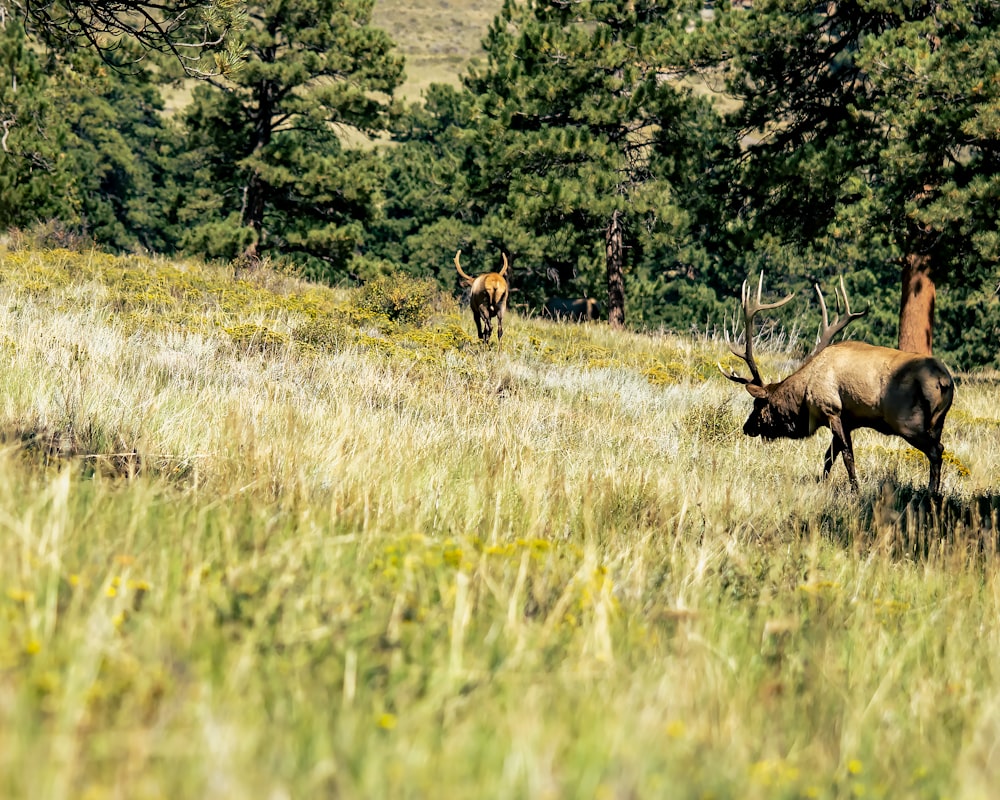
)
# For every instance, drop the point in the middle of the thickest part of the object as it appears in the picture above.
(93, 451)
(909, 522)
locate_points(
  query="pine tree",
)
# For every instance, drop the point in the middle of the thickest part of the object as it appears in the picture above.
(201, 35)
(80, 142)
(427, 201)
(31, 130)
(268, 167)
(936, 75)
(576, 98)
(871, 131)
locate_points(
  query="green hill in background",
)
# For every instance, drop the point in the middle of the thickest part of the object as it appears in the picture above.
(438, 37)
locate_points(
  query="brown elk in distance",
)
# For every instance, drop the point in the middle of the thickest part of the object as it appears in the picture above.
(576, 309)
(488, 298)
(846, 386)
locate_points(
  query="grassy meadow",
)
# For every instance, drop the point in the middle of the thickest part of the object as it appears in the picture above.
(263, 539)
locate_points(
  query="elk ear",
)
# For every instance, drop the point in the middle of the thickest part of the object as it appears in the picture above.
(757, 391)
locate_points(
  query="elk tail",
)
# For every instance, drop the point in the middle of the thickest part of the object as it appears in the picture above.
(497, 294)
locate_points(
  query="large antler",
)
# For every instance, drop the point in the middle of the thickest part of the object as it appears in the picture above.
(750, 308)
(828, 331)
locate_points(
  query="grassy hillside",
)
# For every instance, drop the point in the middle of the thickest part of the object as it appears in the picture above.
(265, 539)
(438, 37)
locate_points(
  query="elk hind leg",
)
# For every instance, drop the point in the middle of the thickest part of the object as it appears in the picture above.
(484, 325)
(479, 323)
(930, 445)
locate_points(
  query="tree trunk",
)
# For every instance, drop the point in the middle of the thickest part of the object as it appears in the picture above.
(916, 305)
(615, 256)
(256, 189)
(255, 196)
(254, 201)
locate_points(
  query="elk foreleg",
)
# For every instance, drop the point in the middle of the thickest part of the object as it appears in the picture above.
(934, 485)
(841, 444)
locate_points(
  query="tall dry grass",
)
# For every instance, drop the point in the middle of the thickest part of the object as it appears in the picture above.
(259, 540)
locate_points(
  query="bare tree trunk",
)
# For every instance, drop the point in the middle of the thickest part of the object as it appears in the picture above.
(916, 305)
(615, 256)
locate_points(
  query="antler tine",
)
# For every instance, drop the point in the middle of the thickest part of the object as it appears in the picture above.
(757, 305)
(750, 306)
(827, 330)
(744, 305)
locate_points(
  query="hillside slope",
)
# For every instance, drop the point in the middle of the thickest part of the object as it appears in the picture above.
(438, 37)
(262, 538)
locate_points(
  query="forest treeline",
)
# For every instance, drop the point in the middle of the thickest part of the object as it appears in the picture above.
(651, 154)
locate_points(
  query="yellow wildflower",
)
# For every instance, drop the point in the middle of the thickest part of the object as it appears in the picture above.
(387, 721)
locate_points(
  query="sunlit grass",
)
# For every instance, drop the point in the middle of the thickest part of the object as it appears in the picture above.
(260, 540)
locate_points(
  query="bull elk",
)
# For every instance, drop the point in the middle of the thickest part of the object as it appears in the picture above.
(488, 298)
(846, 386)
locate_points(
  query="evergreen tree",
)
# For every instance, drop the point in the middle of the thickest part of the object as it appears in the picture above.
(117, 149)
(871, 138)
(427, 201)
(579, 108)
(189, 30)
(936, 75)
(80, 144)
(32, 175)
(269, 170)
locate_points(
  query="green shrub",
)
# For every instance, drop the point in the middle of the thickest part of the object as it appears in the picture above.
(249, 337)
(53, 234)
(324, 332)
(399, 298)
